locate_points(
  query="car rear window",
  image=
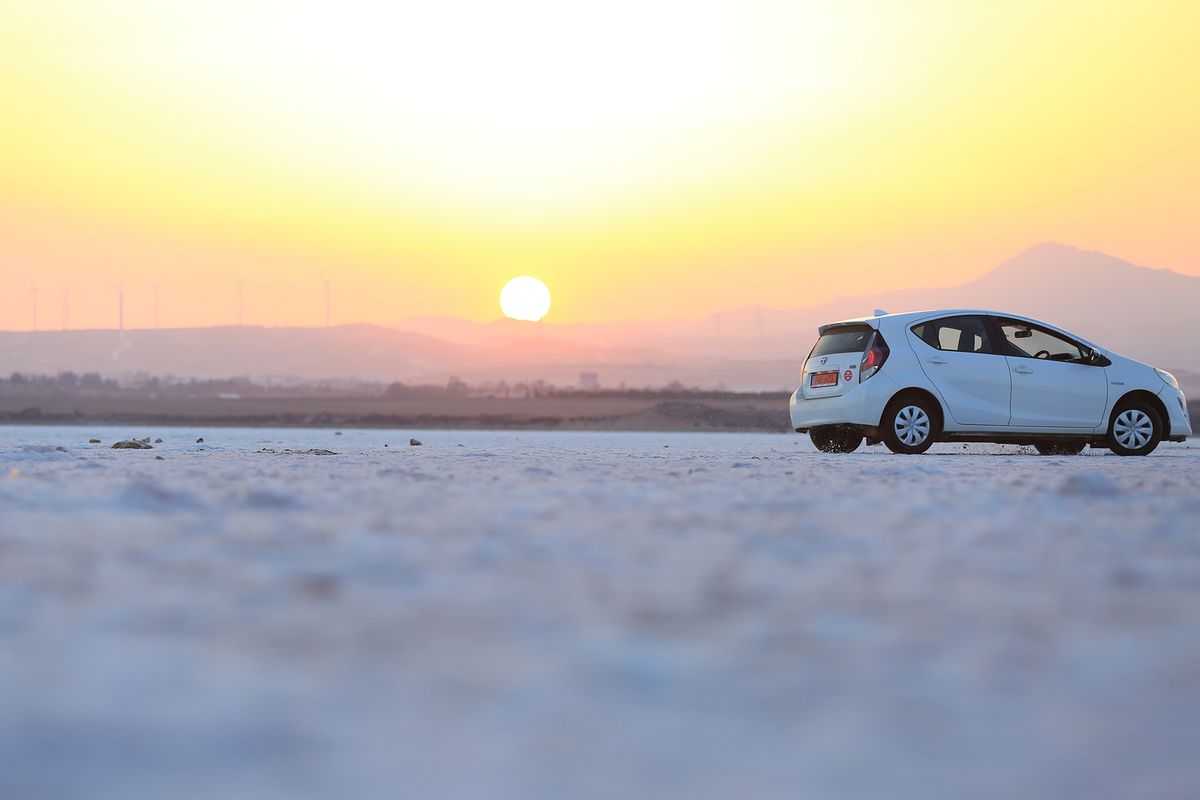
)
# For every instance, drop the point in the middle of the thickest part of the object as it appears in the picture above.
(843, 339)
(961, 334)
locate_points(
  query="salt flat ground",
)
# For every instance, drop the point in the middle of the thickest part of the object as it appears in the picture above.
(556, 615)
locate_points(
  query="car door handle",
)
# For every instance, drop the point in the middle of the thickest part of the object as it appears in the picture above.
(936, 361)
(1023, 370)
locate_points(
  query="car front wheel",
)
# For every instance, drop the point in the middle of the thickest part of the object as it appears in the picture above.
(909, 425)
(1135, 430)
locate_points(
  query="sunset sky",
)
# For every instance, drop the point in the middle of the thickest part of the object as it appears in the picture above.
(645, 159)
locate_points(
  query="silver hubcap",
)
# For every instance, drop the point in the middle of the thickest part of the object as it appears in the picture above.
(912, 425)
(1133, 429)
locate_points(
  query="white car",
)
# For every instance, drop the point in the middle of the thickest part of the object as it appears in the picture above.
(913, 379)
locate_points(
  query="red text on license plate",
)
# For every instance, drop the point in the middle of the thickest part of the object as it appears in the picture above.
(823, 378)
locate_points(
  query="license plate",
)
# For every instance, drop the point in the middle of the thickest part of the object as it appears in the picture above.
(823, 378)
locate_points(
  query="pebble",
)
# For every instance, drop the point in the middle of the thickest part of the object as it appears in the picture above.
(1089, 483)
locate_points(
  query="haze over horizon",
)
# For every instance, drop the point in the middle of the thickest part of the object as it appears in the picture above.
(753, 348)
(227, 161)
(1050, 257)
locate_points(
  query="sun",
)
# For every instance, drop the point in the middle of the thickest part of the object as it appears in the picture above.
(525, 298)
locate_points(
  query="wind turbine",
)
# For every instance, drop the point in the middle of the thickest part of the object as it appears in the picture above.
(240, 304)
(327, 302)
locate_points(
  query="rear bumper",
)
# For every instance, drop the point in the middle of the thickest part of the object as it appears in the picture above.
(1180, 425)
(862, 404)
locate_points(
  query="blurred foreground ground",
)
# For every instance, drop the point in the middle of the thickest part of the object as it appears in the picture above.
(590, 615)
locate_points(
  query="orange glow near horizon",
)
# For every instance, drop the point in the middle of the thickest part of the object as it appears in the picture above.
(648, 161)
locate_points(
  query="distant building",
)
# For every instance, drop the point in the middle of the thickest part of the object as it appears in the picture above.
(589, 380)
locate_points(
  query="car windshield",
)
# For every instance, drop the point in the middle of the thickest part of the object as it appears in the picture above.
(843, 339)
(1025, 340)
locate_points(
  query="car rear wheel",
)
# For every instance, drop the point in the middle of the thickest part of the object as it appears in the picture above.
(1135, 430)
(1060, 448)
(835, 439)
(909, 425)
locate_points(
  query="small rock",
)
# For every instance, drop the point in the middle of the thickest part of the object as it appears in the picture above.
(93, 441)
(1126, 577)
(1089, 483)
(414, 443)
(385, 444)
(159, 458)
(317, 587)
(337, 433)
(200, 440)
(158, 441)
(132, 444)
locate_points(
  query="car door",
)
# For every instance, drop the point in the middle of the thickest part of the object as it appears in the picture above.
(958, 356)
(1052, 384)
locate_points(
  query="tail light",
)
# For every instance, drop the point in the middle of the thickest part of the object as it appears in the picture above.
(873, 357)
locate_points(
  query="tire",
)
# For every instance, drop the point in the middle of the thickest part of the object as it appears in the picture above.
(909, 425)
(835, 439)
(1135, 429)
(1060, 448)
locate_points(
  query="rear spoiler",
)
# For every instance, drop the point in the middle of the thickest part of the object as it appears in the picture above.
(870, 322)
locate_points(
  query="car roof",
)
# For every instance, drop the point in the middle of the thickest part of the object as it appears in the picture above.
(904, 317)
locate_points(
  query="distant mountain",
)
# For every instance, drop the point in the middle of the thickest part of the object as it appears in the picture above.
(1144, 313)
(1147, 314)
(524, 352)
(1140, 312)
(353, 350)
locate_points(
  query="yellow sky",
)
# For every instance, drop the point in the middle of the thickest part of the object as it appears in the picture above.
(645, 159)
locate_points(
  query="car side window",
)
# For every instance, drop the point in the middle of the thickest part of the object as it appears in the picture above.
(965, 334)
(1025, 340)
